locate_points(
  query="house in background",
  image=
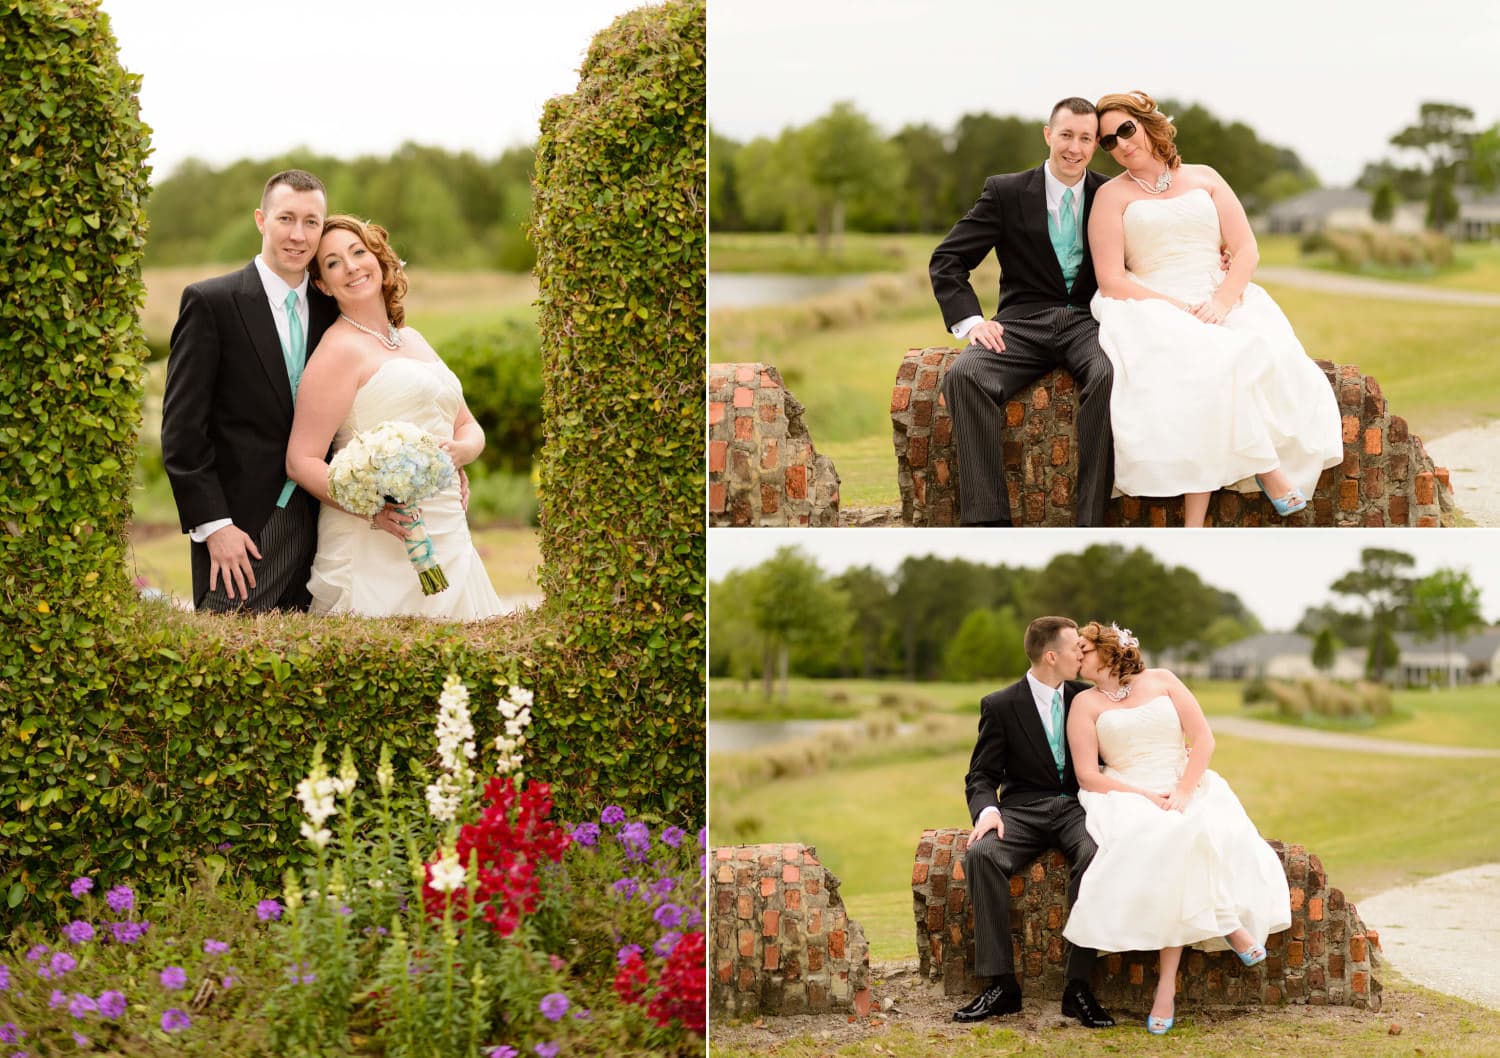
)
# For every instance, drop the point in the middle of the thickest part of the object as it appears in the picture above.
(1348, 209)
(1288, 656)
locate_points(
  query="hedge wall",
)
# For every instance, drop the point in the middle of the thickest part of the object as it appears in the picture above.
(134, 739)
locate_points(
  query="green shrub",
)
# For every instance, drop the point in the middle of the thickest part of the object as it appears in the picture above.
(500, 497)
(134, 738)
(502, 372)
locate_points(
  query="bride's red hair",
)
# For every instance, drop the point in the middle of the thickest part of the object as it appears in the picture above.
(1116, 658)
(1159, 128)
(393, 283)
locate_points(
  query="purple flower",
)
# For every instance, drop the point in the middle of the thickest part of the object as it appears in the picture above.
(79, 931)
(215, 947)
(80, 1039)
(57, 999)
(226, 981)
(668, 916)
(120, 899)
(663, 886)
(82, 1004)
(586, 834)
(625, 887)
(173, 1019)
(4, 977)
(10, 1032)
(80, 886)
(111, 1004)
(583, 1014)
(664, 946)
(268, 910)
(502, 1051)
(636, 836)
(554, 1005)
(624, 954)
(703, 838)
(36, 952)
(174, 977)
(62, 962)
(128, 932)
(295, 975)
(547, 1050)
(693, 919)
(225, 846)
(673, 836)
(612, 814)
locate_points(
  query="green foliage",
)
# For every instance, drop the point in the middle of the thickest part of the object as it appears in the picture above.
(133, 738)
(619, 230)
(447, 210)
(1446, 605)
(986, 645)
(1328, 699)
(501, 368)
(1383, 204)
(1325, 650)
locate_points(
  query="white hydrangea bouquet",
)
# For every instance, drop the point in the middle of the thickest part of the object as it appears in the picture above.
(395, 462)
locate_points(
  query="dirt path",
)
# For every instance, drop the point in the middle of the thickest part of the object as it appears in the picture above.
(1359, 286)
(1266, 731)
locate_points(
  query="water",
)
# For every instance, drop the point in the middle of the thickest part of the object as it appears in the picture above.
(738, 736)
(740, 290)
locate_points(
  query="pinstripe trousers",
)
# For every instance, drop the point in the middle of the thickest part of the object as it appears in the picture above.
(286, 543)
(978, 384)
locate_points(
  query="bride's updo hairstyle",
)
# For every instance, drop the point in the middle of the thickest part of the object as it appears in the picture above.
(1117, 658)
(1142, 108)
(392, 276)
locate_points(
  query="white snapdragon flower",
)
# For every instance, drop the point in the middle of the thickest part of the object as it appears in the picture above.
(515, 710)
(455, 738)
(447, 873)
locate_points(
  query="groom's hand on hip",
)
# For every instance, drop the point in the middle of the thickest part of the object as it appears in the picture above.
(229, 552)
(987, 822)
(988, 334)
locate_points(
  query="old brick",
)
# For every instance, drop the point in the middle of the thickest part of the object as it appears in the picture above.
(1425, 491)
(927, 380)
(836, 944)
(790, 874)
(908, 370)
(743, 398)
(901, 398)
(770, 499)
(1351, 429)
(715, 412)
(1015, 413)
(921, 414)
(1397, 432)
(942, 431)
(1060, 451)
(747, 943)
(769, 454)
(744, 372)
(768, 413)
(796, 482)
(1041, 399)
(916, 451)
(744, 428)
(792, 898)
(918, 873)
(773, 957)
(1348, 495)
(1372, 441)
(1357, 947)
(716, 497)
(770, 923)
(1315, 909)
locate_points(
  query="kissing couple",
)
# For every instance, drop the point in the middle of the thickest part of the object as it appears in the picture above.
(1160, 852)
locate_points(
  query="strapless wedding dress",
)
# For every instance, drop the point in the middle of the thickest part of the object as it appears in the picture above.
(1197, 406)
(362, 571)
(1163, 878)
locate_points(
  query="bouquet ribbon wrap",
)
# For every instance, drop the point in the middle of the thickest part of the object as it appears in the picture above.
(420, 552)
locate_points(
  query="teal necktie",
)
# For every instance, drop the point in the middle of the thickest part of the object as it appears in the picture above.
(1056, 737)
(295, 354)
(1065, 241)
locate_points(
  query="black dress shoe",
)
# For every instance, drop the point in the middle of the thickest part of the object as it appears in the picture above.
(992, 1002)
(1079, 1002)
(1002, 523)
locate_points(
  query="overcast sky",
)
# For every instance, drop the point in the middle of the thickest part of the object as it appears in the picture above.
(1276, 580)
(230, 81)
(1331, 80)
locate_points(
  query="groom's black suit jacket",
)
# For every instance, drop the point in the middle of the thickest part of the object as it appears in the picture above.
(227, 409)
(1010, 218)
(1012, 754)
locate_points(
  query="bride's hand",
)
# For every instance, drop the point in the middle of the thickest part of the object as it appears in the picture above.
(1210, 311)
(391, 521)
(1159, 800)
(1176, 801)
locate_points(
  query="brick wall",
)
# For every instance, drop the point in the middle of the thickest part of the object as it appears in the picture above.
(1386, 478)
(1325, 958)
(762, 466)
(782, 943)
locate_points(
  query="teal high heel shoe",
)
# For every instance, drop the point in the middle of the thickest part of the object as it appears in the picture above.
(1159, 1026)
(1291, 503)
(1252, 956)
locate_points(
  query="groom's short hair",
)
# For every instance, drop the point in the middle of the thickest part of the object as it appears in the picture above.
(297, 180)
(1075, 104)
(1042, 633)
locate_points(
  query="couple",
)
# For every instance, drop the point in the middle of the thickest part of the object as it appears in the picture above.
(274, 367)
(1160, 852)
(1190, 376)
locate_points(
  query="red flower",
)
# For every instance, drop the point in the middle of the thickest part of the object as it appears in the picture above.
(631, 980)
(679, 995)
(511, 836)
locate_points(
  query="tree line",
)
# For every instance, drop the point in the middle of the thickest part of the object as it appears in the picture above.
(841, 171)
(444, 209)
(1455, 154)
(955, 619)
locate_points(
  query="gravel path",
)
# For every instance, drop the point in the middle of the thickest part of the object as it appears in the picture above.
(1266, 731)
(1358, 286)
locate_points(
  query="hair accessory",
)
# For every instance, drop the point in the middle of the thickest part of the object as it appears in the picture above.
(1127, 640)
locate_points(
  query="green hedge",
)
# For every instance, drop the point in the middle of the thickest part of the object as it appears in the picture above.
(501, 369)
(134, 739)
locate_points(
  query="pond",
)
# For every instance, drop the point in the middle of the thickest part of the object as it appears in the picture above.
(742, 290)
(739, 736)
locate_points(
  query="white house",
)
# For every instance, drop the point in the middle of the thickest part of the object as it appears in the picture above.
(1288, 656)
(1348, 209)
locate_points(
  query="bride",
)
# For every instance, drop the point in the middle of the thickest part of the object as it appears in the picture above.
(369, 368)
(1179, 861)
(1211, 387)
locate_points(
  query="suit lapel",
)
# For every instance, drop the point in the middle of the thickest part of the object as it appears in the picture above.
(1034, 223)
(1092, 181)
(260, 329)
(1029, 719)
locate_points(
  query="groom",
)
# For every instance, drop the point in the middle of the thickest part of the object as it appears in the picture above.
(1037, 224)
(1022, 751)
(236, 356)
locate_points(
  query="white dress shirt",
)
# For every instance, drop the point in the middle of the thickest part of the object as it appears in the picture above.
(1055, 189)
(1041, 695)
(276, 290)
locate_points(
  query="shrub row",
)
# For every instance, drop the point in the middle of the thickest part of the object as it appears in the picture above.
(1323, 697)
(1383, 249)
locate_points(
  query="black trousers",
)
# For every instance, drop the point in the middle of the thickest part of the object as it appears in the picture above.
(1030, 829)
(286, 543)
(978, 384)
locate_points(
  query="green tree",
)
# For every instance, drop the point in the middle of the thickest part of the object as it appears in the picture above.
(1351, 627)
(1383, 205)
(987, 645)
(724, 212)
(925, 196)
(1442, 203)
(1484, 158)
(1446, 605)
(1325, 650)
(1443, 132)
(792, 602)
(1384, 588)
(847, 160)
(984, 144)
(868, 647)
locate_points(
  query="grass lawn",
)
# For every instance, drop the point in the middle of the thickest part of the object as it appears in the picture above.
(1375, 821)
(782, 252)
(1465, 716)
(511, 557)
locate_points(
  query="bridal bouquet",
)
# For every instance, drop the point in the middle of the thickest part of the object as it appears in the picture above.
(399, 463)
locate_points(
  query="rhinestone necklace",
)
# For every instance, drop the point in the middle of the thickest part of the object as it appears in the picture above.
(391, 339)
(1163, 182)
(1120, 695)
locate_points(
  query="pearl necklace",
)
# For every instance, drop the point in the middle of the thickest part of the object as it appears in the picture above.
(391, 339)
(1117, 696)
(1163, 182)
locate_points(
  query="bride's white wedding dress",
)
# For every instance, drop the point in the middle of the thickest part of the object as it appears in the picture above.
(1163, 878)
(1197, 406)
(360, 571)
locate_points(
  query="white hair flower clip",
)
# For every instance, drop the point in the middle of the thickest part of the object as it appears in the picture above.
(1127, 638)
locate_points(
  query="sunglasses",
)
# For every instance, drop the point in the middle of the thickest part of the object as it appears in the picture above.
(1124, 132)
